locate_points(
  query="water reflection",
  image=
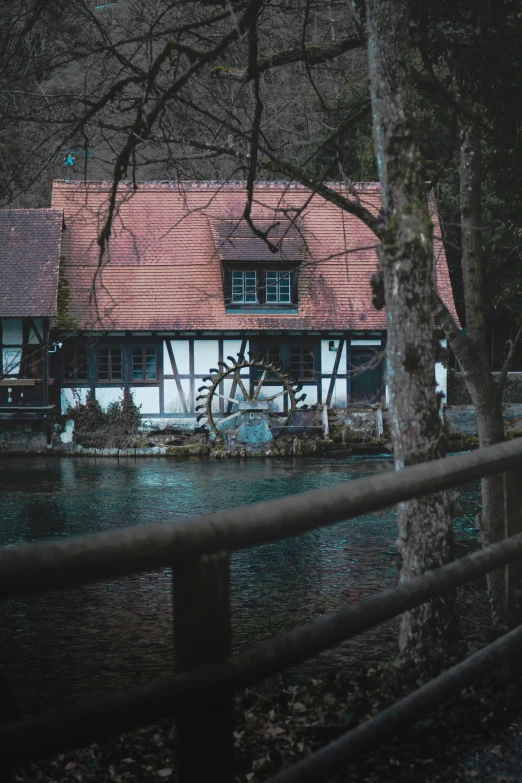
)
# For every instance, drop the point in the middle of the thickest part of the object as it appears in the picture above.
(61, 646)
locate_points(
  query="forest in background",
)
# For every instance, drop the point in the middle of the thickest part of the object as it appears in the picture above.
(83, 80)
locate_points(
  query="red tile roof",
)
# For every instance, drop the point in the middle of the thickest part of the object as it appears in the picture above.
(162, 269)
(30, 241)
(236, 241)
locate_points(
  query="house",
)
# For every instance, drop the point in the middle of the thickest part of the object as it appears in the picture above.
(185, 282)
(30, 243)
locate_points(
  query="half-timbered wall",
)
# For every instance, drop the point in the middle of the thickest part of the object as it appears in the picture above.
(337, 369)
(23, 362)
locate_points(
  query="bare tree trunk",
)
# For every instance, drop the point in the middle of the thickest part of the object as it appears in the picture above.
(471, 351)
(487, 399)
(406, 255)
(485, 393)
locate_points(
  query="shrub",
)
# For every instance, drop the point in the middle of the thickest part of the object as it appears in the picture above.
(117, 428)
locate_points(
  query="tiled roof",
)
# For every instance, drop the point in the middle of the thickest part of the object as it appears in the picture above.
(30, 241)
(162, 269)
(236, 241)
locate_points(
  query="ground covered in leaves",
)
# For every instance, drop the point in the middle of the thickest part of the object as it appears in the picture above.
(477, 736)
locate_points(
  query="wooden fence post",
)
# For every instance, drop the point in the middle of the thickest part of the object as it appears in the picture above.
(513, 525)
(203, 634)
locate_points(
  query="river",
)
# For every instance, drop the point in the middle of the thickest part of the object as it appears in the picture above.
(59, 647)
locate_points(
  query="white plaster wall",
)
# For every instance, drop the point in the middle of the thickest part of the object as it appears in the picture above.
(38, 322)
(441, 376)
(227, 389)
(164, 422)
(146, 398)
(206, 355)
(328, 357)
(167, 366)
(185, 385)
(71, 397)
(180, 349)
(12, 331)
(232, 348)
(441, 379)
(338, 394)
(215, 398)
(171, 398)
(105, 395)
(311, 395)
(325, 385)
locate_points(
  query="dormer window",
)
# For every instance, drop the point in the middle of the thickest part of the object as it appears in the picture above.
(260, 276)
(258, 288)
(278, 287)
(244, 286)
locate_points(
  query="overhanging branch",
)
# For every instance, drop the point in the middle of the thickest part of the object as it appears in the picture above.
(314, 55)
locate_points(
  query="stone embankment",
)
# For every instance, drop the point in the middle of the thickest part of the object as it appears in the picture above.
(335, 432)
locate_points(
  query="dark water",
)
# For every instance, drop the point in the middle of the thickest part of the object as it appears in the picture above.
(62, 646)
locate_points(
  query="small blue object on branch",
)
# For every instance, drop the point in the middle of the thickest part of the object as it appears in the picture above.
(69, 160)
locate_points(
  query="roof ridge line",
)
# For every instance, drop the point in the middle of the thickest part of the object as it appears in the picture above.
(208, 185)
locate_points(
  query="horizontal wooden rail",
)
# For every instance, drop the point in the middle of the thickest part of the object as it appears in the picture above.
(319, 766)
(58, 564)
(99, 719)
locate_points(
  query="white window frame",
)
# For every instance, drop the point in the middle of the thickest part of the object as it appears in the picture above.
(280, 287)
(241, 292)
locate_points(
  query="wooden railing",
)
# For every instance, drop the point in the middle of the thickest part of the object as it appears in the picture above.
(206, 673)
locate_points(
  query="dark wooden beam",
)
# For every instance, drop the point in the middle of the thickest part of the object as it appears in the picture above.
(335, 371)
(179, 387)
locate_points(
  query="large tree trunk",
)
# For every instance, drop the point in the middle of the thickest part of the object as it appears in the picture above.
(406, 255)
(487, 399)
(483, 388)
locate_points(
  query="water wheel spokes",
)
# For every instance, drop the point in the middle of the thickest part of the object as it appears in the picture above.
(241, 385)
(231, 373)
(260, 384)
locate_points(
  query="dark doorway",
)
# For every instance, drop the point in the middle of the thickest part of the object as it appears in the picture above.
(367, 375)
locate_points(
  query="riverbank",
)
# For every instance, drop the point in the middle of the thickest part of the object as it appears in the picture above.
(318, 447)
(342, 432)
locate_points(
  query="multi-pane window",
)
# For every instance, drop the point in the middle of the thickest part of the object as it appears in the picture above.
(244, 285)
(109, 364)
(302, 362)
(11, 360)
(75, 364)
(143, 364)
(278, 287)
(270, 355)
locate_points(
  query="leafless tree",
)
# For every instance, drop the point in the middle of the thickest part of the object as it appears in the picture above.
(250, 90)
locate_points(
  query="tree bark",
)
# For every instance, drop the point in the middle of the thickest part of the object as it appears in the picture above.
(406, 256)
(472, 354)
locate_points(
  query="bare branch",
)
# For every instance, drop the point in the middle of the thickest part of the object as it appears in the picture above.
(313, 55)
(513, 344)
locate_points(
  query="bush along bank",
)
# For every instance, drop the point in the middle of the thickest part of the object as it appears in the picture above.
(87, 430)
(116, 428)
